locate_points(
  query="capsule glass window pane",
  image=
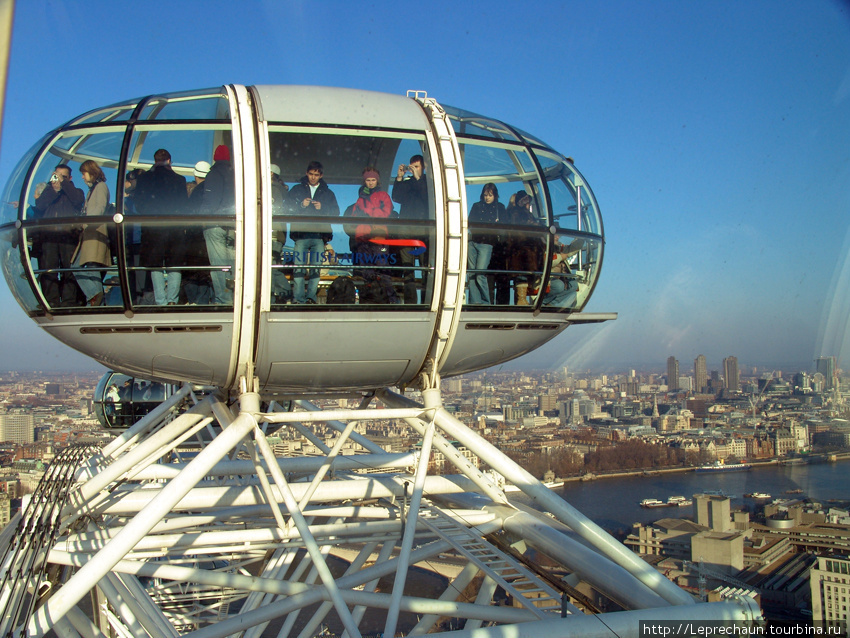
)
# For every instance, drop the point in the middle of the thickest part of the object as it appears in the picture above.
(582, 256)
(12, 192)
(115, 113)
(181, 263)
(468, 123)
(386, 261)
(484, 163)
(13, 269)
(344, 155)
(195, 105)
(187, 146)
(566, 186)
(61, 278)
(573, 272)
(101, 146)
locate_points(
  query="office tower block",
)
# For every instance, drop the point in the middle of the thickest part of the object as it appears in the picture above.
(827, 367)
(672, 373)
(18, 428)
(700, 373)
(731, 378)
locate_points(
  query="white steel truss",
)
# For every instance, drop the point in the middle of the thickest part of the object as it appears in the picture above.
(191, 523)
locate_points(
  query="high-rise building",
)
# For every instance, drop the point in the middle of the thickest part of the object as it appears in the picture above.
(18, 428)
(700, 373)
(826, 366)
(731, 379)
(672, 373)
(828, 580)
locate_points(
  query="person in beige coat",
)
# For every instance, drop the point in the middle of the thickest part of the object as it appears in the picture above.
(93, 249)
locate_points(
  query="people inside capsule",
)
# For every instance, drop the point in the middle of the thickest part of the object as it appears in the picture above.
(197, 285)
(487, 210)
(525, 252)
(162, 192)
(199, 174)
(312, 197)
(281, 288)
(139, 278)
(92, 253)
(410, 191)
(370, 248)
(112, 401)
(220, 199)
(57, 245)
(563, 286)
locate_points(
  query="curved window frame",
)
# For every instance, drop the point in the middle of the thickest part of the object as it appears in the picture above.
(121, 120)
(345, 189)
(546, 297)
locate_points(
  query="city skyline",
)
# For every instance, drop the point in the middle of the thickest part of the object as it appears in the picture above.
(688, 122)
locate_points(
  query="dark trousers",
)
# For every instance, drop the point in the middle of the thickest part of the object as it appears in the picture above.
(59, 289)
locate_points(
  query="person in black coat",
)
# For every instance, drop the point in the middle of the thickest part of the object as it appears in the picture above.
(488, 210)
(310, 197)
(525, 251)
(412, 194)
(60, 199)
(162, 192)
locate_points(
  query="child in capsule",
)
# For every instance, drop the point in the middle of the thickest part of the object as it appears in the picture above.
(93, 249)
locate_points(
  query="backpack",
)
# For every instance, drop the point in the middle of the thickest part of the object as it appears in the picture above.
(341, 291)
(373, 291)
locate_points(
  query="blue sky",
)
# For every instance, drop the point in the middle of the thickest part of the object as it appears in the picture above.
(716, 137)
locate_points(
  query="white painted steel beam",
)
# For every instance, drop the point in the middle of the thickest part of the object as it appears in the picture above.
(551, 502)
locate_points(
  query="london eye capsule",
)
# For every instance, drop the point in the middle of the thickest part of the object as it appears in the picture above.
(333, 238)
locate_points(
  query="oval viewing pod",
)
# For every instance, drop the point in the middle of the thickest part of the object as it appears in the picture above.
(330, 238)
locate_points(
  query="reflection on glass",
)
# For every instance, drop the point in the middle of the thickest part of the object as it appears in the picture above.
(12, 192)
(574, 271)
(13, 270)
(468, 123)
(208, 104)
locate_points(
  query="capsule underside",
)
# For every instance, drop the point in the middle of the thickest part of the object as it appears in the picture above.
(204, 291)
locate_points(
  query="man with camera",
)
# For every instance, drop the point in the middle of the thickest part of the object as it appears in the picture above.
(60, 199)
(412, 194)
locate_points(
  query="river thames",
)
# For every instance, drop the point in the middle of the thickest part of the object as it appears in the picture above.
(613, 503)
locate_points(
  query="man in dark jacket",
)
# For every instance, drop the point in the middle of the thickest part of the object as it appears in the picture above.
(310, 197)
(412, 194)
(220, 199)
(162, 192)
(60, 199)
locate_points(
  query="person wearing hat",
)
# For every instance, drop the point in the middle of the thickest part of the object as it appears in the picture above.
(373, 202)
(525, 252)
(200, 172)
(197, 285)
(220, 199)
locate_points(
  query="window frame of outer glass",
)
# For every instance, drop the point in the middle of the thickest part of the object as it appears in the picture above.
(526, 177)
(592, 255)
(136, 144)
(66, 156)
(423, 146)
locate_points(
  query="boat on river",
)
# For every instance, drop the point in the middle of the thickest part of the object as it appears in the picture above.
(720, 466)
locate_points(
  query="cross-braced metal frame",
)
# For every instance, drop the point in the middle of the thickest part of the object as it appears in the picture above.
(189, 524)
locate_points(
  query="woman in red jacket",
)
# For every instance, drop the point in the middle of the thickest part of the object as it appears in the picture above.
(369, 251)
